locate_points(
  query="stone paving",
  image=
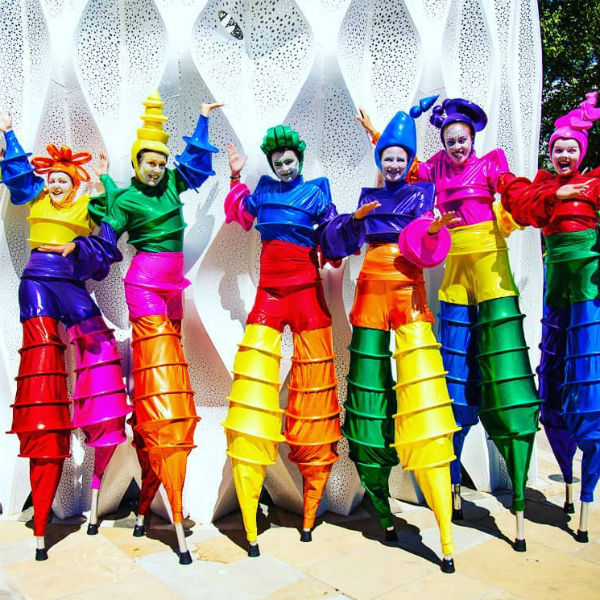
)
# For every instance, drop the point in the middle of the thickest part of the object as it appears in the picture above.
(346, 560)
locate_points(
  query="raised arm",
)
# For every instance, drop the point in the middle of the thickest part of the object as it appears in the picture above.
(239, 194)
(17, 173)
(194, 164)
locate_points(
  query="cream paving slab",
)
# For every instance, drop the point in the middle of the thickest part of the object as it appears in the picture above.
(538, 574)
(589, 552)
(165, 566)
(141, 586)
(18, 551)
(13, 531)
(372, 570)
(92, 560)
(304, 589)
(441, 585)
(248, 579)
(7, 589)
(463, 537)
(218, 549)
(132, 546)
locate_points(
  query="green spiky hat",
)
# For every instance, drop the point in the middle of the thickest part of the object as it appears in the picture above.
(283, 137)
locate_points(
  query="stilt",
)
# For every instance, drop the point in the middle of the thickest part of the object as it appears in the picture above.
(582, 532)
(40, 551)
(138, 530)
(520, 545)
(306, 535)
(457, 512)
(447, 565)
(185, 558)
(93, 524)
(253, 550)
(569, 507)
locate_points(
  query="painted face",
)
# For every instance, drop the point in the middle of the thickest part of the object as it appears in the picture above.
(60, 186)
(152, 167)
(393, 163)
(565, 156)
(458, 142)
(286, 165)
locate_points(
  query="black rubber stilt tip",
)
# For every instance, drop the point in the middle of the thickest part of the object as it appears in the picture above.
(569, 508)
(457, 514)
(138, 531)
(582, 536)
(185, 558)
(92, 529)
(41, 554)
(390, 535)
(306, 536)
(520, 546)
(253, 550)
(447, 565)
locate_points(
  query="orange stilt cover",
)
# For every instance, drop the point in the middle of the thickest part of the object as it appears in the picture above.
(163, 405)
(312, 422)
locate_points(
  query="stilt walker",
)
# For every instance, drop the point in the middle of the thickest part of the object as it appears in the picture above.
(565, 206)
(290, 292)
(150, 211)
(52, 290)
(481, 331)
(411, 419)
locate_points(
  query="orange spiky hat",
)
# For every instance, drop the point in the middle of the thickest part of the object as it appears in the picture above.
(63, 160)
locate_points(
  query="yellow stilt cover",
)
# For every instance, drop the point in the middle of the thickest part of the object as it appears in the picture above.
(424, 423)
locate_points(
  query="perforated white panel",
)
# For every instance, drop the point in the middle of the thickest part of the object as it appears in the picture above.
(75, 72)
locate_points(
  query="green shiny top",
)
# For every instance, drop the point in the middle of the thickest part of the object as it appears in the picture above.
(152, 216)
(574, 245)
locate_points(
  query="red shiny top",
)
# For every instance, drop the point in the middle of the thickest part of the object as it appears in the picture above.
(535, 203)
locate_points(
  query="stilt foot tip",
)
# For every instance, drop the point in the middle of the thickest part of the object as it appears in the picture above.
(520, 546)
(447, 565)
(253, 550)
(306, 536)
(185, 558)
(41, 554)
(92, 529)
(390, 535)
(569, 508)
(457, 514)
(582, 536)
(138, 531)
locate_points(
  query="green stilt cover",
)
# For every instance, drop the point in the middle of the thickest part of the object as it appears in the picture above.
(369, 426)
(510, 407)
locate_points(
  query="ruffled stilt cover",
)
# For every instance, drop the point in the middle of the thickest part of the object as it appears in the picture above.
(424, 423)
(582, 390)
(370, 405)
(41, 416)
(510, 407)
(253, 423)
(312, 417)
(551, 376)
(459, 354)
(164, 407)
(99, 397)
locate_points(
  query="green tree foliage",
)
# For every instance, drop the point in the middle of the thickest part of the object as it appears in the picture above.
(571, 50)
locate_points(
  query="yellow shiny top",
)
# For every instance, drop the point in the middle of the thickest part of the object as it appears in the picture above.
(51, 224)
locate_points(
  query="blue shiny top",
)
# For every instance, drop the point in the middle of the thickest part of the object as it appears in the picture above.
(291, 212)
(400, 203)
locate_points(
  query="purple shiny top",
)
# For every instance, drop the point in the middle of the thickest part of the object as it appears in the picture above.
(400, 204)
(467, 189)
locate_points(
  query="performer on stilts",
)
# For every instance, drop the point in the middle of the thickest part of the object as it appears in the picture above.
(481, 331)
(287, 210)
(52, 290)
(411, 419)
(150, 210)
(565, 207)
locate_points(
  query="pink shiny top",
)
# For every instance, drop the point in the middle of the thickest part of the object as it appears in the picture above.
(467, 189)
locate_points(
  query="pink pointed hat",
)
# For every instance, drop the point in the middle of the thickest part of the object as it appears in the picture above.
(574, 125)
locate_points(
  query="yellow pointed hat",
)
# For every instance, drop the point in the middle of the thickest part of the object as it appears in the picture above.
(151, 136)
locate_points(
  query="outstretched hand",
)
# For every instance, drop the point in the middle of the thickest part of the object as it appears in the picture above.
(440, 221)
(64, 249)
(6, 122)
(102, 168)
(205, 109)
(365, 209)
(236, 162)
(572, 190)
(365, 120)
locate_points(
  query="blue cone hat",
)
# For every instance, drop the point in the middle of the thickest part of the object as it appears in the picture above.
(401, 131)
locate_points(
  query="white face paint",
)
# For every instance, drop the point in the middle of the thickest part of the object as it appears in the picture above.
(285, 165)
(60, 186)
(152, 167)
(393, 163)
(458, 142)
(565, 156)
